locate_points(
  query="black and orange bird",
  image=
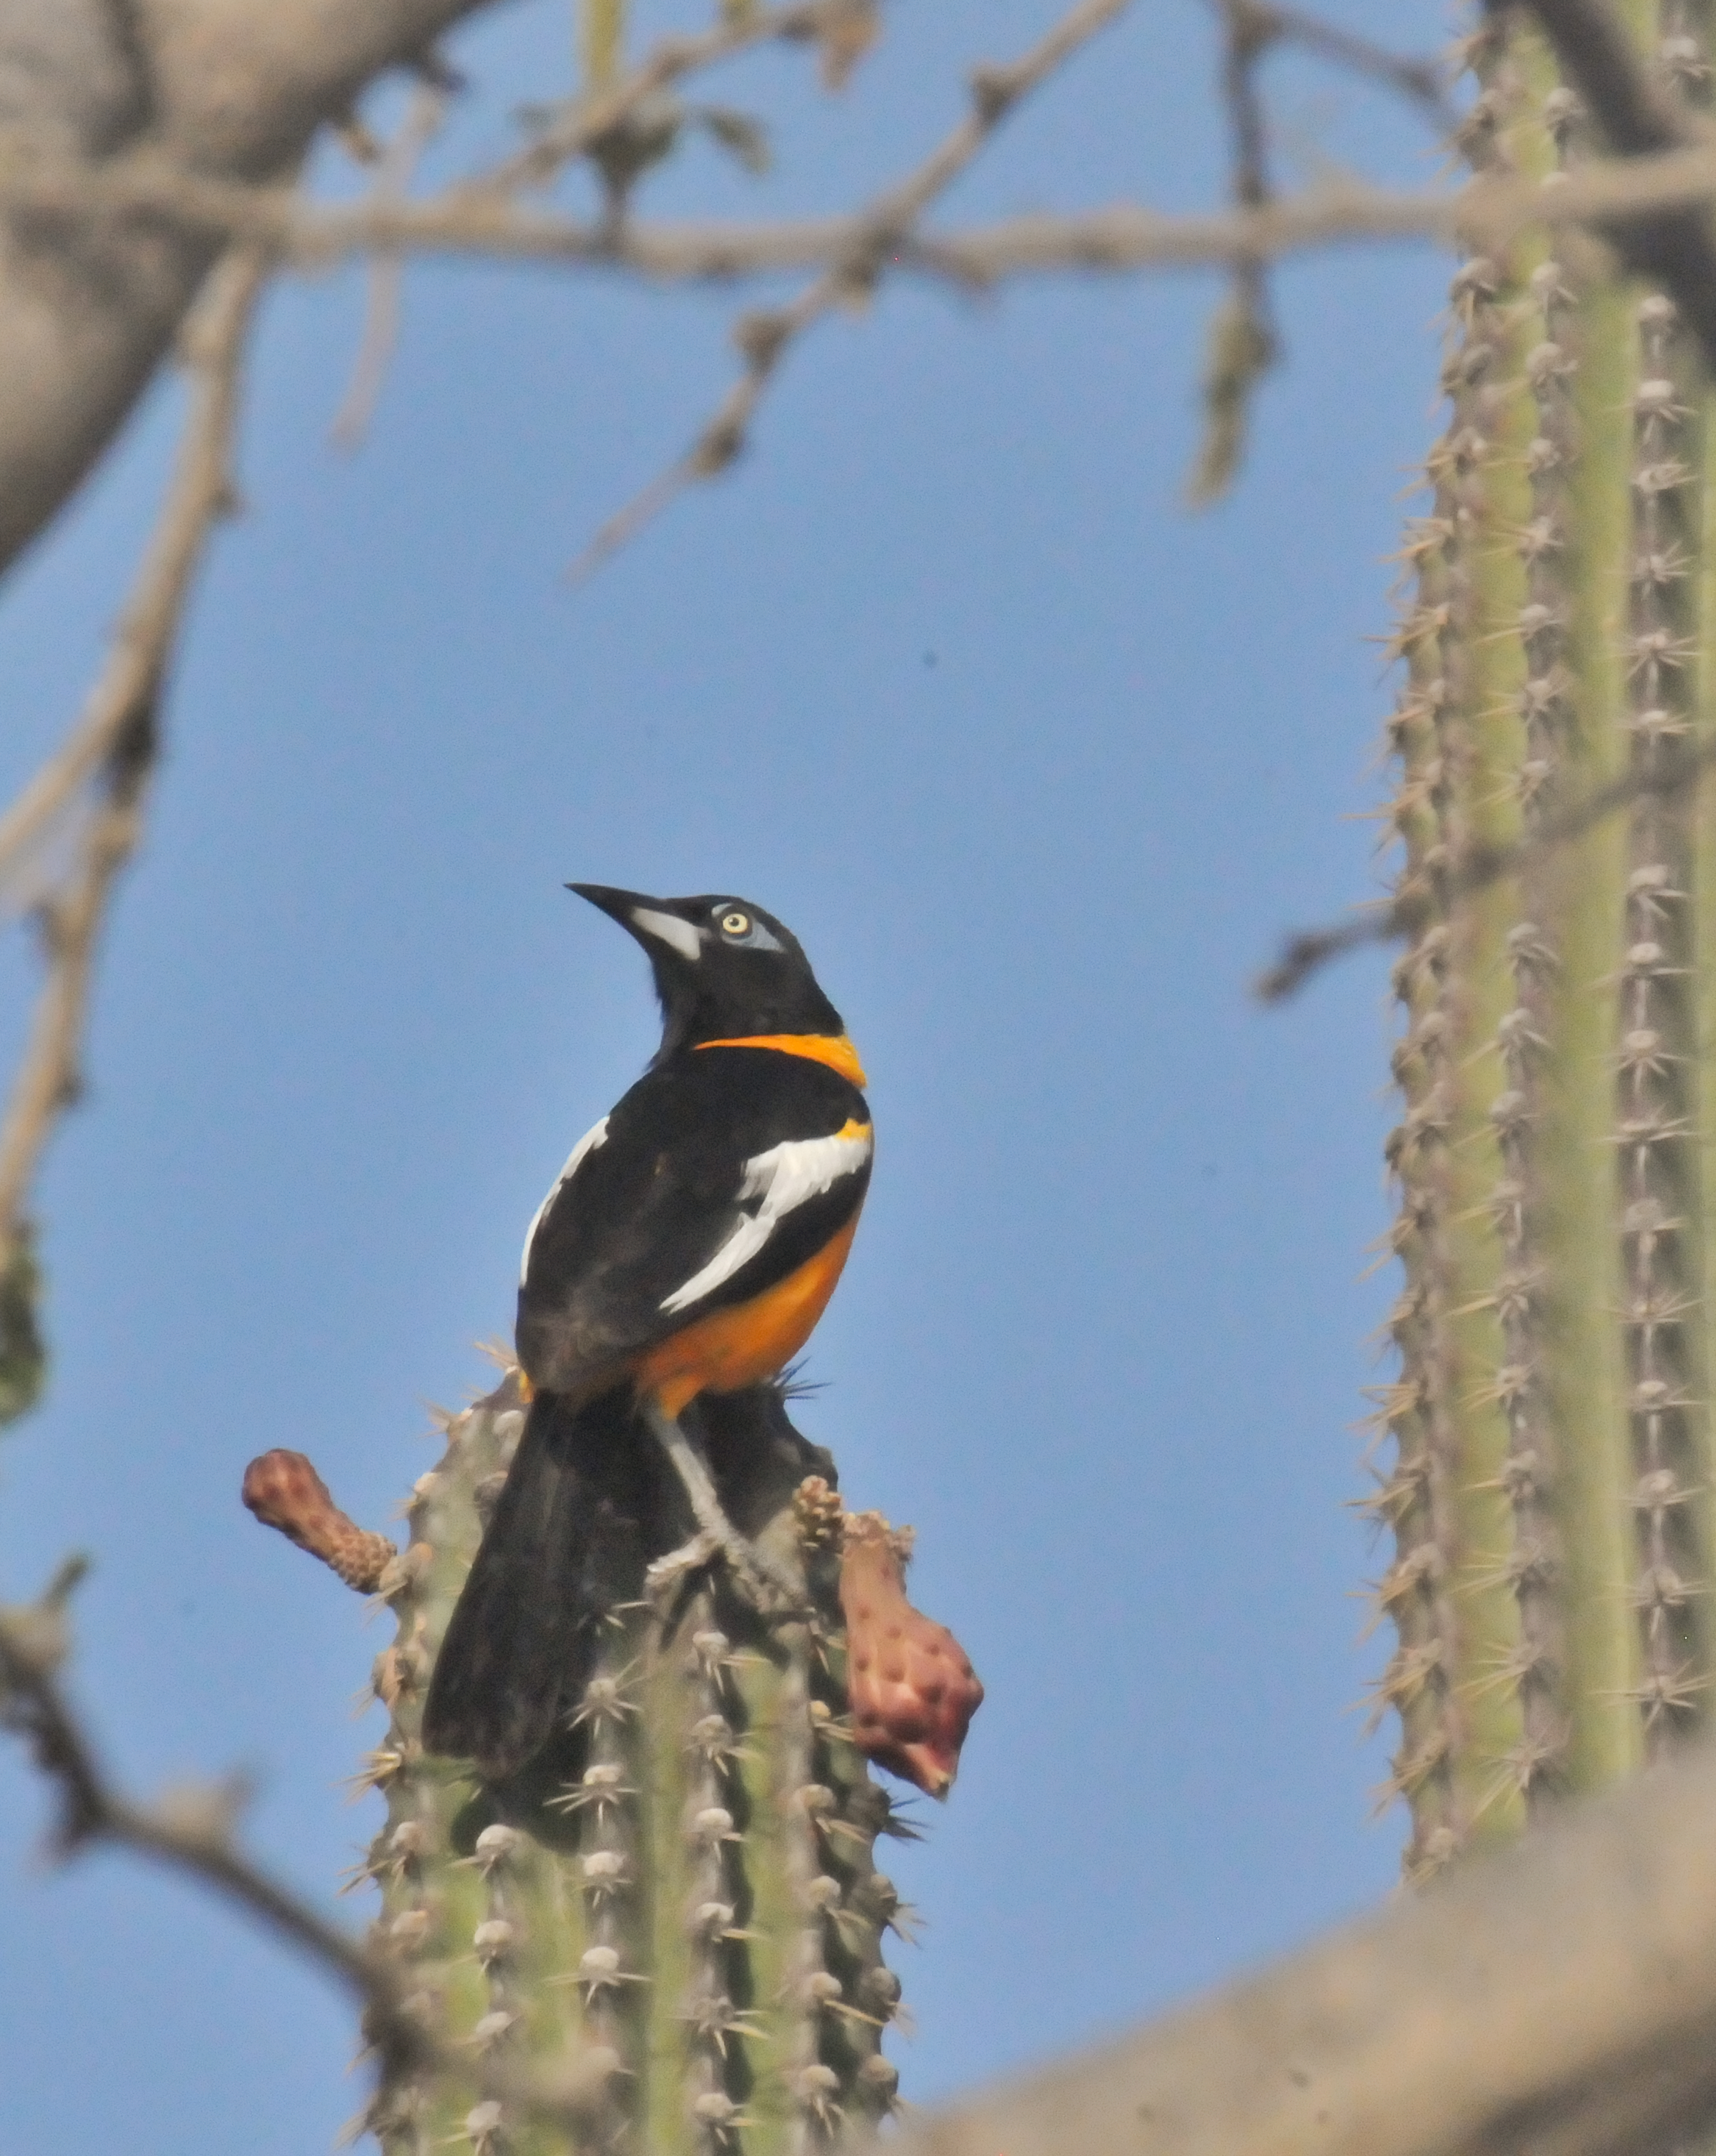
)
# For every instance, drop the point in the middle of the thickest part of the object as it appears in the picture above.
(689, 1246)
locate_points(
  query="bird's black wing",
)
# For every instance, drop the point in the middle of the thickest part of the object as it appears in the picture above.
(718, 1174)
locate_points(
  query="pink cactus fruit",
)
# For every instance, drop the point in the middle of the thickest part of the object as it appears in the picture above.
(910, 1687)
(285, 1492)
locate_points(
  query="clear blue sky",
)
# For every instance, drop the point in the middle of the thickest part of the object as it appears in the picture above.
(1037, 765)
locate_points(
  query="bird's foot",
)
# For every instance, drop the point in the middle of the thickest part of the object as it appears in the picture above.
(663, 1576)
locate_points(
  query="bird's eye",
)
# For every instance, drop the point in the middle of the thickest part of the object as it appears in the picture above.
(735, 923)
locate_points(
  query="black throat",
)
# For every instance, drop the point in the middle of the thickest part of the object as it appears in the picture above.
(695, 1010)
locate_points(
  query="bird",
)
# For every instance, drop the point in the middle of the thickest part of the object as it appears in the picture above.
(687, 1248)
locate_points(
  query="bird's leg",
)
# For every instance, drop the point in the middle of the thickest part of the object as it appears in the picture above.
(763, 1577)
(663, 1574)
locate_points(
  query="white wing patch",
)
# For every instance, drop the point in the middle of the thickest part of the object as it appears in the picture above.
(586, 1144)
(784, 1178)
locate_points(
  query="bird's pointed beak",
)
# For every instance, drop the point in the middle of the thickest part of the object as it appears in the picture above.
(648, 919)
(617, 905)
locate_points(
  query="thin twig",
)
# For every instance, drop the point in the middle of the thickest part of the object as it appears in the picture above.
(37, 811)
(880, 230)
(596, 118)
(1421, 82)
(399, 162)
(196, 495)
(1243, 343)
(1250, 30)
(194, 1831)
(1309, 950)
(112, 748)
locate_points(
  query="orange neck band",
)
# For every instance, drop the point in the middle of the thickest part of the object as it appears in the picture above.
(833, 1049)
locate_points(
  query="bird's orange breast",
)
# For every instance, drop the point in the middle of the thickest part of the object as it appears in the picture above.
(742, 1346)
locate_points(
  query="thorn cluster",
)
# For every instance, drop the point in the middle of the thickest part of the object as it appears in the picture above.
(1658, 1045)
(667, 1931)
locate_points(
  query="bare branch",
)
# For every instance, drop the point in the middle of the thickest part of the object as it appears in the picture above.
(397, 162)
(195, 1837)
(109, 758)
(1308, 950)
(1487, 213)
(594, 120)
(1249, 32)
(226, 97)
(224, 87)
(194, 1831)
(1243, 343)
(1421, 82)
(883, 228)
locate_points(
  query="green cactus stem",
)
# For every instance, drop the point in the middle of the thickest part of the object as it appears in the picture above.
(673, 1917)
(1549, 1487)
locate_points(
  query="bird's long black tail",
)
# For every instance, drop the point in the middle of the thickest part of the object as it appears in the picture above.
(567, 1542)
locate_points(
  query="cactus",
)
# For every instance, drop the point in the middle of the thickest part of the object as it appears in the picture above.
(665, 1934)
(1548, 1490)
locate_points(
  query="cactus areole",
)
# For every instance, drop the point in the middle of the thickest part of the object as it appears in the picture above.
(673, 1908)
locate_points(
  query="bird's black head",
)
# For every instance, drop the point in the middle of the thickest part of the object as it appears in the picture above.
(725, 970)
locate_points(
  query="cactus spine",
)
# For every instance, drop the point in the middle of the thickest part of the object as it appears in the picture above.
(1549, 1491)
(671, 1923)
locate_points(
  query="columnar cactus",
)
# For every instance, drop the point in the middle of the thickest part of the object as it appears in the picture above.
(1549, 1491)
(665, 1934)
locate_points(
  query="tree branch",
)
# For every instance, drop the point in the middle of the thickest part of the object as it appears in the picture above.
(394, 168)
(104, 765)
(1242, 343)
(1307, 951)
(228, 88)
(468, 221)
(883, 228)
(194, 1831)
(1421, 82)
(225, 92)
(591, 122)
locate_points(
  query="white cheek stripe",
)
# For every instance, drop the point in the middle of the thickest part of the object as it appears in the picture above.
(586, 1144)
(784, 1177)
(681, 934)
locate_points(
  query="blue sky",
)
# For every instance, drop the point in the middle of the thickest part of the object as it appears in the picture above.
(1037, 765)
